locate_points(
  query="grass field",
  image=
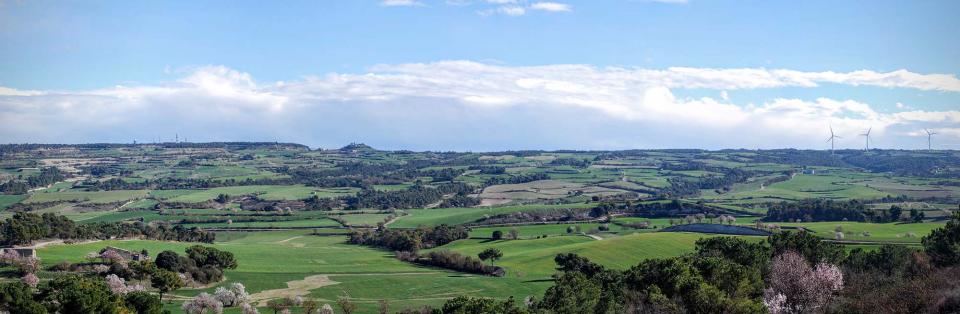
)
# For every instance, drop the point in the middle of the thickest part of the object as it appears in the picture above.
(452, 216)
(7, 200)
(363, 219)
(803, 187)
(92, 197)
(886, 232)
(269, 259)
(533, 259)
(528, 231)
(267, 192)
(300, 223)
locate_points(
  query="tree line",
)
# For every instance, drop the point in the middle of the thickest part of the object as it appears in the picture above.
(25, 228)
(516, 179)
(831, 210)
(47, 176)
(416, 196)
(408, 240)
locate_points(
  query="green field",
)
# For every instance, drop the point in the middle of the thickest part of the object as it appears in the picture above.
(7, 200)
(363, 219)
(453, 216)
(92, 197)
(527, 231)
(886, 232)
(300, 223)
(269, 259)
(267, 192)
(533, 258)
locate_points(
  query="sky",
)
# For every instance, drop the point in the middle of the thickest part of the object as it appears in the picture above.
(482, 75)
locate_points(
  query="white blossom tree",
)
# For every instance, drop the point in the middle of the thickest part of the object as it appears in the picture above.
(30, 279)
(326, 309)
(246, 308)
(240, 292)
(112, 256)
(117, 285)
(225, 296)
(803, 288)
(204, 303)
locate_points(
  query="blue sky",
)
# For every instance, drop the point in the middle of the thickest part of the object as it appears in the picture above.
(115, 70)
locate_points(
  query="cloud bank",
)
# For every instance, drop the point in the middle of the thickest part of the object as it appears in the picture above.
(468, 105)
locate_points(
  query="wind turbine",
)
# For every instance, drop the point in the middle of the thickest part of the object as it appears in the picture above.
(867, 135)
(831, 138)
(929, 135)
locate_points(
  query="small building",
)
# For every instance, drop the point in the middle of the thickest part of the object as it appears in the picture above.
(23, 252)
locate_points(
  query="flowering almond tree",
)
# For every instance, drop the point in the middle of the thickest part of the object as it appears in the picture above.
(795, 287)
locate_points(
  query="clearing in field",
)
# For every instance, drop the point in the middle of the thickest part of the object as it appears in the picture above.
(294, 288)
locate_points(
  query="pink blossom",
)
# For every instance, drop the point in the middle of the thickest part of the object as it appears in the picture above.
(30, 279)
(775, 302)
(100, 268)
(202, 304)
(112, 256)
(805, 289)
(829, 276)
(116, 284)
(246, 308)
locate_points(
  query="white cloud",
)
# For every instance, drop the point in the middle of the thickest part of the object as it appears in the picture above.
(550, 6)
(400, 3)
(512, 10)
(468, 101)
(6, 91)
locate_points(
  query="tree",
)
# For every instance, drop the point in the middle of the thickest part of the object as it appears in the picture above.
(246, 308)
(491, 254)
(347, 306)
(916, 215)
(326, 309)
(895, 212)
(807, 245)
(204, 256)
(570, 229)
(143, 302)
(226, 297)
(280, 305)
(76, 294)
(310, 306)
(514, 234)
(572, 292)
(143, 270)
(497, 235)
(795, 287)
(168, 260)
(201, 304)
(943, 244)
(165, 281)
(737, 250)
(17, 297)
(30, 279)
(469, 305)
(383, 306)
